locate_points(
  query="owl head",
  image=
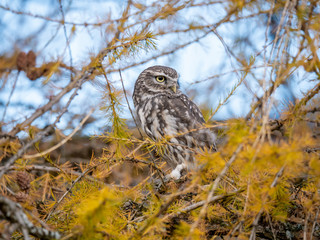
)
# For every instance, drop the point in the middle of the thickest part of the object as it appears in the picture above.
(157, 79)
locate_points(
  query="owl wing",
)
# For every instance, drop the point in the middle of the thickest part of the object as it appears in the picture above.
(193, 116)
(193, 109)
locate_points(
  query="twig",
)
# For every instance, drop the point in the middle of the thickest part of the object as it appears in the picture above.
(140, 232)
(307, 98)
(314, 224)
(40, 135)
(214, 188)
(79, 79)
(68, 191)
(85, 24)
(125, 95)
(193, 206)
(234, 88)
(257, 218)
(66, 37)
(240, 224)
(255, 224)
(272, 229)
(10, 191)
(305, 229)
(179, 47)
(22, 150)
(41, 110)
(278, 175)
(64, 140)
(201, 203)
(242, 69)
(9, 99)
(270, 90)
(50, 169)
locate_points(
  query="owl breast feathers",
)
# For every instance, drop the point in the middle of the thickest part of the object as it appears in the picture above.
(164, 111)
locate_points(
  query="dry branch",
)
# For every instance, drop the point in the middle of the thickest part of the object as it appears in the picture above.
(13, 213)
(63, 141)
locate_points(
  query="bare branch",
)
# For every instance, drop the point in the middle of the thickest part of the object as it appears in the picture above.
(63, 141)
(13, 212)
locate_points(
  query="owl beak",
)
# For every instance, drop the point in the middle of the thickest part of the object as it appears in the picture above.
(174, 88)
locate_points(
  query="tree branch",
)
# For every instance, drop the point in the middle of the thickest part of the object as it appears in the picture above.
(13, 213)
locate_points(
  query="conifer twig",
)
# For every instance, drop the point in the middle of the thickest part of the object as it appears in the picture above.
(69, 190)
(80, 177)
(52, 169)
(79, 79)
(257, 218)
(234, 88)
(214, 188)
(163, 208)
(193, 206)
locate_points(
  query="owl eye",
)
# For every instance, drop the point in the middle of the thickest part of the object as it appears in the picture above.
(160, 78)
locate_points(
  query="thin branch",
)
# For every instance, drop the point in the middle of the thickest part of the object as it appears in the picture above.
(214, 188)
(41, 110)
(163, 208)
(85, 24)
(69, 190)
(39, 135)
(314, 223)
(125, 95)
(242, 69)
(66, 36)
(22, 150)
(66, 139)
(10, 95)
(272, 229)
(305, 228)
(79, 79)
(302, 102)
(234, 88)
(201, 203)
(257, 218)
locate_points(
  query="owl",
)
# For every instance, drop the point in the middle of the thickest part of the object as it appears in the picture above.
(165, 112)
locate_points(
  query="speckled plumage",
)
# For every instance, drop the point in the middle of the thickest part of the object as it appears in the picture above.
(163, 110)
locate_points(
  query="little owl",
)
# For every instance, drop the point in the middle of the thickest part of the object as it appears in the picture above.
(164, 111)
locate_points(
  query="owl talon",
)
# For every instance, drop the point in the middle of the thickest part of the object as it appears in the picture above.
(177, 173)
